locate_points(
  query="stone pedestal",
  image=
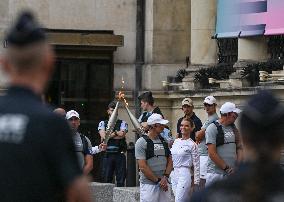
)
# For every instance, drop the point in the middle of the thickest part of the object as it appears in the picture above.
(236, 79)
(239, 82)
(101, 192)
(250, 50)
(240, 64)
(188, 83)
(126, 194)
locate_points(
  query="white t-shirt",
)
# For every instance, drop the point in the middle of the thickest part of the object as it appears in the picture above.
(185, 154)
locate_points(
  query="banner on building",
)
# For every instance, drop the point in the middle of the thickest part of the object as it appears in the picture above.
(242, 18)
(228, 21)
(275, 17)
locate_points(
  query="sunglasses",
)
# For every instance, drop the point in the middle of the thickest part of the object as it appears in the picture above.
(208, 105)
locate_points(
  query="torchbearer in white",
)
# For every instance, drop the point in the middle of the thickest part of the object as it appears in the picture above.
(185, 155)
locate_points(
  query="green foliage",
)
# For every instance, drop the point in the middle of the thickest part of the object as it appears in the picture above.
(251, 71)
(219, 72)
(180, 75)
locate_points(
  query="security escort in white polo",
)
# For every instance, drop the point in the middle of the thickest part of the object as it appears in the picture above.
(223, 142)
(210, 105)
(154, 161)
(83, 146)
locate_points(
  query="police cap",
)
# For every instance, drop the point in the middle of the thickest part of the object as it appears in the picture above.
(25, 31)
(262, 117)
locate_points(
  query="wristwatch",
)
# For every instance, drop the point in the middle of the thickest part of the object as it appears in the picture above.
(166, 175)
(159, 179)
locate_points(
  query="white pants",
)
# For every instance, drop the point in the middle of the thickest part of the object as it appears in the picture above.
(203, 166)
(181, 183)
(213, 177)
(153, 193)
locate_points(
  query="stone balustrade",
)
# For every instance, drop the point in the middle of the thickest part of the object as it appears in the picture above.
(275, 76)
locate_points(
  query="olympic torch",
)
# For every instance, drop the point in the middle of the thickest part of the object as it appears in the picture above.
(111, 123)
(137, 126)
(135, 123)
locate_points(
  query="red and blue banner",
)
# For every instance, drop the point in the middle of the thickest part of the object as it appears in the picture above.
(243, 18)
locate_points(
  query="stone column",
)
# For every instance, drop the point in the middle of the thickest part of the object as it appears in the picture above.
(250, 50)
(203, 20)
(167, 40)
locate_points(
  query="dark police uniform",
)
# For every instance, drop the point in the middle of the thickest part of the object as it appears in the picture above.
(36, 148)
(114, 159)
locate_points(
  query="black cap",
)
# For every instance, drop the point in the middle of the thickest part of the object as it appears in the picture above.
(262, 115)
(25, 31)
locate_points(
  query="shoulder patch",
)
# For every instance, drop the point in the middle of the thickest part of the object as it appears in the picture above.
(13, 127)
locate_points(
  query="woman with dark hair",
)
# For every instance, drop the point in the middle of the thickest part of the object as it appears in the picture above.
(184, 155)
(261, 177)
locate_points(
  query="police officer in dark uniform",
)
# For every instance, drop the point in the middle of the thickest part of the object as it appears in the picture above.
(114, 160)
(36, 148)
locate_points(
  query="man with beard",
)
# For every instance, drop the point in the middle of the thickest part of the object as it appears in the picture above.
(83, 146)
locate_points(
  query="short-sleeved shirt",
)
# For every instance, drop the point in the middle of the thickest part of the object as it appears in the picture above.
(157, 164)
(123, 126)
(227, 151)
(197, 122)
(79, 149)
(202, 148)
(36, 149)
(115, 145)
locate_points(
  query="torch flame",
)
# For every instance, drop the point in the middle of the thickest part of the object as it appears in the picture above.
(135, 122)
(121, 95)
